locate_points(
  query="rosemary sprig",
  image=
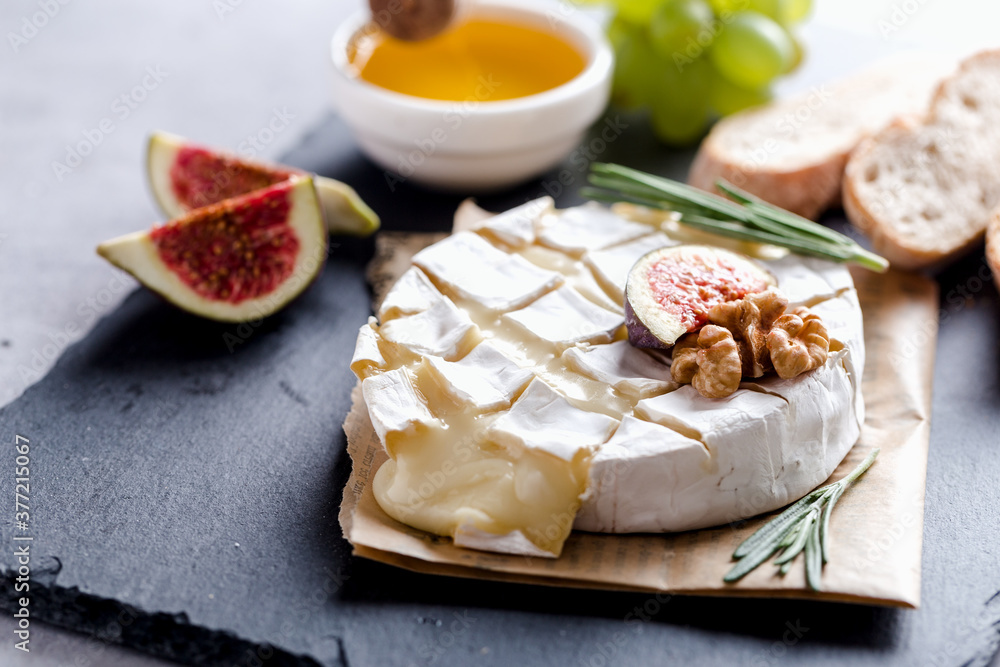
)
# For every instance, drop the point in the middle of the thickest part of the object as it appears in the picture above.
(742, 216)
(803, 527)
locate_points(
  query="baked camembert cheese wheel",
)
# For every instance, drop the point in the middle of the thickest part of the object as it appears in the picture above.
(499, 377)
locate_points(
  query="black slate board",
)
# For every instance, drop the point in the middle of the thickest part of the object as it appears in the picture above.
(138, 500)
(186, 479)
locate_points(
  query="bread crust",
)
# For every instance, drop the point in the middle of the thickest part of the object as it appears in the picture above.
(771, 152)
(876, 219)
(807, 191)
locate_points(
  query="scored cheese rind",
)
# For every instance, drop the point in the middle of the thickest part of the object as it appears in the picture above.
(638, 373)
(516, 227)
(442, 331)
(485, 379)
(367, 354)
(394, 406)
(611, 265)
(413, 293)
(565, 317)
(808, 280)
(474, 270)
(541, 419)
(767, 445)
(575, 273)
(520, 401)
(589, 227)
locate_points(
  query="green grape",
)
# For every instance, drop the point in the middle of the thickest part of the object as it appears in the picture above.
(798, 54)
(636, 11)
(791, 12)
(635, 66)
(727, 98)
(769, 8)
(730, 6)
(679, 102)
(676, 24)
(751, 50)
(619, 31)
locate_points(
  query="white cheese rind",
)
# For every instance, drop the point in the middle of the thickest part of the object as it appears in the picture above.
(645, 456)
(394, 406)
(589, 227)
(637, 373)
(611, 266)
(516, 227)
(441, 331)
(485, 379)
(806, 280)
(842, 318)
(768, 444)
(514, 542)
(412, 293)
(565, 317)
(472, 269)
(541, 419)
(367, 355)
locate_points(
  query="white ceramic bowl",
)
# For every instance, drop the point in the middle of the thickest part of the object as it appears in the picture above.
(475, 145)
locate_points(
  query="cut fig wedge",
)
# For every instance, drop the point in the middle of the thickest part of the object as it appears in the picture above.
(236, 261)
(185, 176)
(670, 290)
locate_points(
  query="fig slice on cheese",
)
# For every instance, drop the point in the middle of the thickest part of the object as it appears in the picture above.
(670, 290)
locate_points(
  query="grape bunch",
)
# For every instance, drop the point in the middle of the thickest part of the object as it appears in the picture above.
(690, 61)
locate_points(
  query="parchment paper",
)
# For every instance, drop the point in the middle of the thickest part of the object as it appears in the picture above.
(876, 529)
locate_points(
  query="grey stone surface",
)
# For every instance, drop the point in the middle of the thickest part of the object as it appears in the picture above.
(184, 495)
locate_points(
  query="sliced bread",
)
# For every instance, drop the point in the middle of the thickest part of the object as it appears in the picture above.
(923, 188)
(993, 246)
(792, 152)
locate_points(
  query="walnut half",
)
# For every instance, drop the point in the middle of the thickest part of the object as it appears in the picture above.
(710, 360)
(749, 319)
(798, 342)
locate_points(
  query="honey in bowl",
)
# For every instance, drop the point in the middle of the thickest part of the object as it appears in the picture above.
(482, 60)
